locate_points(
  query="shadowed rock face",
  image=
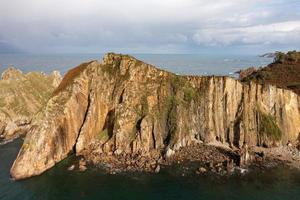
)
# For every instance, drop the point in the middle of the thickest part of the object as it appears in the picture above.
(21, 96)
(123, 105)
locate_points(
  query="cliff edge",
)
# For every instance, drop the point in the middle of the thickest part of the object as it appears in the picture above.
(123, 106)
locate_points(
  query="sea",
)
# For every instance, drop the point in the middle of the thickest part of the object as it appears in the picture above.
(278, 183)
(184, 64)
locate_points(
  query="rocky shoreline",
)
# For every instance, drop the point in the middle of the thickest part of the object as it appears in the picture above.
(198, 159)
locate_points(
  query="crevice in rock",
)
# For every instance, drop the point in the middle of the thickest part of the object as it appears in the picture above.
(113, 91)
(121, 96)
(153, 136)
(171, 124)
(109, 123)
(214, 99)
(237, 122)
(138, 124)
(257, 120)
(84, 120)
(225, 101)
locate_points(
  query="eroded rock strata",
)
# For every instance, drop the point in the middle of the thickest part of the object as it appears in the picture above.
(123, 106)
(21, 96)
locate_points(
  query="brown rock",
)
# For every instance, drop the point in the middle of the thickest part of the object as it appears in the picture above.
(202, 170)
(157, 169)
(72, 167)
(126, 106)
(82, 165)
(246, 72)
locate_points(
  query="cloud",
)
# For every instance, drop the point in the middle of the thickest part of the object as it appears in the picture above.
(275, 33)
(146, 25)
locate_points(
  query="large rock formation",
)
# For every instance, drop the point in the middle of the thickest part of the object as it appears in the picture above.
(21, 96)
(123, 105)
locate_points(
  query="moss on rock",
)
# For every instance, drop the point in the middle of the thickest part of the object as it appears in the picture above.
(268, 126)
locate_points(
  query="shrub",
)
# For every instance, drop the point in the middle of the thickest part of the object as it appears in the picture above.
(189, 94)
(103, 135)
(294, 85)
(269, 127)
(291, 56)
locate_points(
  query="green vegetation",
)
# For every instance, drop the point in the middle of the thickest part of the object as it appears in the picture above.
(27, 146)
(284, 72)
(289, 57)
(39, 86)
(177, 82)
(189, 94)
(180, 96)
(113, 70)
(268, 126)
(294, 85)
(26, 95)
(171, 108)
(133, 134)
(145, 107)
(171, 102)
(103, 135)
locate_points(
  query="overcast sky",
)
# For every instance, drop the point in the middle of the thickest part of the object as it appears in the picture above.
(149, 26)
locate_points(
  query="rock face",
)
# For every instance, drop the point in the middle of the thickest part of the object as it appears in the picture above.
(21, 96)
(124, 106)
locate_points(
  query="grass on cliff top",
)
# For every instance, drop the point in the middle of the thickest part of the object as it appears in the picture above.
(268, 127)
(70, 77)
(27, 95)
(42, 85)
(283, 74)
(289, 57)
(294, 85)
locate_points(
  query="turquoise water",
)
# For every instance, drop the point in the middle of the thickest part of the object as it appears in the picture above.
(59, 183)
(195, 64)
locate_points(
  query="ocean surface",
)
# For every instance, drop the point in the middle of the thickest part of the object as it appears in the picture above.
(192, 64)
(59, 183)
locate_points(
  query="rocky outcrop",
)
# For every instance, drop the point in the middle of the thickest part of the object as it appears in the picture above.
(246, 72)
(284, 72)
(21, 96)
(123, 106)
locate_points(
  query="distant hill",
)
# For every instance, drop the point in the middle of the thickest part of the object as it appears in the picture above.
(268, 55)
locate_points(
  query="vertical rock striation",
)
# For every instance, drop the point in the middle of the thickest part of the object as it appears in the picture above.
(123, 105)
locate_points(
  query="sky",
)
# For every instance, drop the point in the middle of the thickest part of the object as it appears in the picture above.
(149, 26)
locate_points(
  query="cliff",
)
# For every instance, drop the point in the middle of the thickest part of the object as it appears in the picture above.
(21, 96)
(124, 106)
